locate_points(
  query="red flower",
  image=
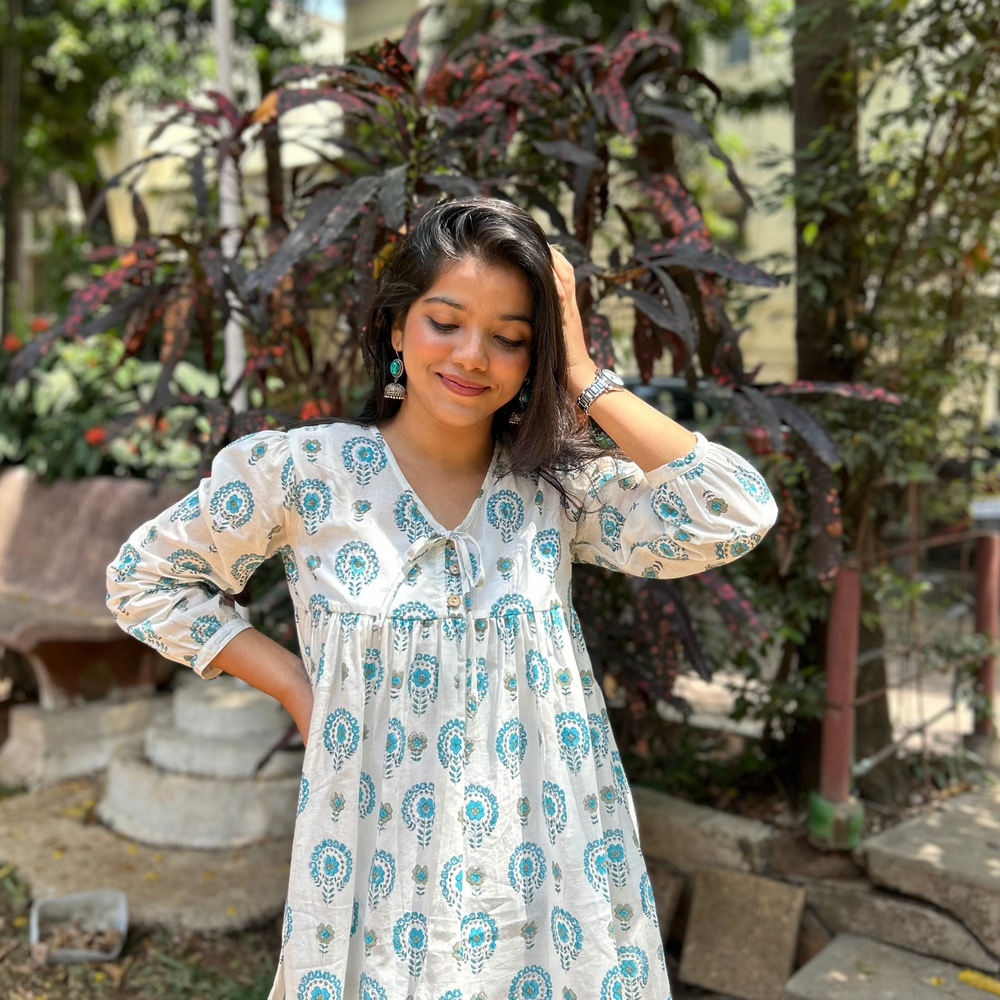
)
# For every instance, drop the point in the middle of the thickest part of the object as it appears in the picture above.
(12, 342)
(95, 435)
(38, 324)
(310, 409)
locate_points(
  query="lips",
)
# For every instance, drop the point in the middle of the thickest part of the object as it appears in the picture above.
(461, 387)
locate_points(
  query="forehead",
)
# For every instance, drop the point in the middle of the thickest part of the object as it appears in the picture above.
(486, 289)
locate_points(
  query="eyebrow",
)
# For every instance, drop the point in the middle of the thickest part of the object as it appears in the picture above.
(507, 317)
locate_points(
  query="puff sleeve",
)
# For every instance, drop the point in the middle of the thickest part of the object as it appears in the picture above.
(694, 513)
(172, 583)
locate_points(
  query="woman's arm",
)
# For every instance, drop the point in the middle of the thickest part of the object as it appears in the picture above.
(269, 667)
(649, 438)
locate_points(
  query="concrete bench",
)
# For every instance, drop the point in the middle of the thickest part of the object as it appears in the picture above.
(55, 545)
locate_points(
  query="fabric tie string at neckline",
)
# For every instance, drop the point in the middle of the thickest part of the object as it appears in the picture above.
(467, 552)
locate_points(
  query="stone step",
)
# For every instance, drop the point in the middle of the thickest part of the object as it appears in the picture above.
(46, 746)
(950, 857)
(174, 749)
(166, 809)
(223, 708)
(856, 907)
(857, 968)
(689, 837)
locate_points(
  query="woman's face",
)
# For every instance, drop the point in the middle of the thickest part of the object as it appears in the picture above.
(466, 343)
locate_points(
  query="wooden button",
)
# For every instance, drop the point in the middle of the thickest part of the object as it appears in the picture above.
(454, 600)
(454, 569)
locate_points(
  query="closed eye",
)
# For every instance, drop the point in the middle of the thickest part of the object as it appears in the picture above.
(441, 327)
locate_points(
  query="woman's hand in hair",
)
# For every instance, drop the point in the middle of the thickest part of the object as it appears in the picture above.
(580, 367)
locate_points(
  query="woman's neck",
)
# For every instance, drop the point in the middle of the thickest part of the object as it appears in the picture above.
(414, 433)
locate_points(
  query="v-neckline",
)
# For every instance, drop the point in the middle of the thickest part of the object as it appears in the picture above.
(431, 519)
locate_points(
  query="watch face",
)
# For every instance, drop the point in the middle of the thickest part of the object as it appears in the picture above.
(613, 377)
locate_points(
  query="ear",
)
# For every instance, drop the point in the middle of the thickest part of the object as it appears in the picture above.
(397, 338)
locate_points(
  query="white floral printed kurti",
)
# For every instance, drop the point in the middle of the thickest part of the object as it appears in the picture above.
(465, 828)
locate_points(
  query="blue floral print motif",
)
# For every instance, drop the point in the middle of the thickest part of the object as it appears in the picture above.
(370, 989)
(204, 627)
(244, 567)
(511, 744)
(531, 983)
(508, 611)
(554, 809)
(527, 870)
(422, 682)
(319, 608)
(313, 500)
(288, 483)
(647, 899)
(633, 967)
(616, 857)
(395, 746)
(381, 878)
(303, 795)
(574, 739)
(668, 506)
(366, 795)
(187, 509)
(409, 941)
(404, 617)
(595, 866)
(128, 562)
(546, 552)
(418, 811)
(536, 669)
(505, 512)
(612, 520)
(505, 566)
(410, 518)
(288, 925)
(479, 939)
(330, 867)
(144, 633)
(359, 508)
(311, 448)
(417, 743)
(257, 452)
(715, 505)
(186, 561)
(752, 483)
(364, 457)
(373, 672)
(451, 748)
(231, 506)
(319, 985)
(454, 629)
(567, 936)
(341, 736)
(621, 782)
(451, 880)
(287, 554)
(598, 737)
(480, 813)
(482, 677)
(356, 566)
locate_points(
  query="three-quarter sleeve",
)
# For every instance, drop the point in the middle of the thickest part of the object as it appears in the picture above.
(694, 513)
(172, 583)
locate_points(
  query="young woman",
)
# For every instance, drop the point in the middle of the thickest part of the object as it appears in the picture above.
(465, 829)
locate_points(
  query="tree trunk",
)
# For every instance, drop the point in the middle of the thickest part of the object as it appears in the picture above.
(10, 174)
(825, 105)
(830, 291)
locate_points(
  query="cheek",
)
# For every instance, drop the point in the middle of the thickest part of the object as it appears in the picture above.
(423, 346)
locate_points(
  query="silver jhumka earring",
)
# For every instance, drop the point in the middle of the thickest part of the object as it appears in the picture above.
(394, 390)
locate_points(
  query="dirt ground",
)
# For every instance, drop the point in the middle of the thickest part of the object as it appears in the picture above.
(157, 966)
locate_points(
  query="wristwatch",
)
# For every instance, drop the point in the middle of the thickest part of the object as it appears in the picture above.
(605, 380)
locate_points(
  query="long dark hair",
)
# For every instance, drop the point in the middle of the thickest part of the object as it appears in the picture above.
(549, 437)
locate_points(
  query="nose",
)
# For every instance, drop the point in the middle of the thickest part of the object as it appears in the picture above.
(469, 351)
